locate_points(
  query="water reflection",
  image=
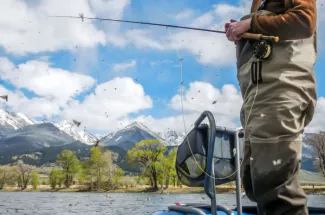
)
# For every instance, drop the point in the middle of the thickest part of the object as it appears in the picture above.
(105, 203)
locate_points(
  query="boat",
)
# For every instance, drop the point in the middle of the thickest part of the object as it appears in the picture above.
(221, 148)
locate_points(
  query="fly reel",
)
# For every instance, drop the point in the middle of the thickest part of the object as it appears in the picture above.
(262, 49)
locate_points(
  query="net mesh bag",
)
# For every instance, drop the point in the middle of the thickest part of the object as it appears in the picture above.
(192, 173)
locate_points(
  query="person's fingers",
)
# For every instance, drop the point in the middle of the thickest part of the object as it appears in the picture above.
(235, 34)
(232, 32)
(228, 34)
(227, 26)
(231, 37)
(236, 37)
(235, 30)
(239, 36)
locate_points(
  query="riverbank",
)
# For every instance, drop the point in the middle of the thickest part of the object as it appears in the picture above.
(314, 190)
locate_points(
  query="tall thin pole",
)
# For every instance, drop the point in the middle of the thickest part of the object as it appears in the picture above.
(238, 184)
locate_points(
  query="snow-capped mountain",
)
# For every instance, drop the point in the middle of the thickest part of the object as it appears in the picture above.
(70, 129)
(172, 138)
(129, 136)
(14, 120)
(107, 137)
(137, 131)
(143, 127)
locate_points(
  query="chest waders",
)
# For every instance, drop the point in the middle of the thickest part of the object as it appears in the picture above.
(284, 89)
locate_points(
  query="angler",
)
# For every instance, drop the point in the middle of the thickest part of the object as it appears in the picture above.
(279, 95)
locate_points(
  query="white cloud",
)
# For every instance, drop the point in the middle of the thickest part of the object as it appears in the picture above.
(143, 39)
(176, 123)
(101, 110)
(34, 107)
(203, 21)
(201, 95)
(31, 31)
(227, 11)
(210, 48)
(113, 8)
(40, 78)
(186, 14)
(85, 58)
(124, 66)
(25, 29)
(112, 100)
(116, 39)
(226, 110)
(140, 38)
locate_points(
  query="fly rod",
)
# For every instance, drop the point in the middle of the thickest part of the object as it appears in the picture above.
(245, 35)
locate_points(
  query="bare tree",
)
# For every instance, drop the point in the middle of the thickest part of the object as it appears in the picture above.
(317, 141)
(25, 173)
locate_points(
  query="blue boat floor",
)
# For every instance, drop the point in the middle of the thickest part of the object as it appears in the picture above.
(206, 211)
(312, 211)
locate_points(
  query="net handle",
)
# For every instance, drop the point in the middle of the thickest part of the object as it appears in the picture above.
(209, 182)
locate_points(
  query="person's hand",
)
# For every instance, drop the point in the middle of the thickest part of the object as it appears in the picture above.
(226, 29)
(235, 30)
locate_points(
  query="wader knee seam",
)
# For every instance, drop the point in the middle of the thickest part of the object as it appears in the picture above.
(291, 138)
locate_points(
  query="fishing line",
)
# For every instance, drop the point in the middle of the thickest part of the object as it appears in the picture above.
(248, 35)
(184, 123)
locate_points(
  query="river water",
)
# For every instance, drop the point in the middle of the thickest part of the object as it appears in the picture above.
(106, 203)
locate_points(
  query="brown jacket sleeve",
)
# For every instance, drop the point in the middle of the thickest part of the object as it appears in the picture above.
(298, 22)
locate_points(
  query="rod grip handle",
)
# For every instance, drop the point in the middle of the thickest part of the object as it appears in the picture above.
(260, 37)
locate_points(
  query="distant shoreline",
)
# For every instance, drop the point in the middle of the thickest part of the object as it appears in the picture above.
(222, 189)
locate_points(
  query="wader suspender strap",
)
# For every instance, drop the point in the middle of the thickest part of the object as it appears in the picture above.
(256, 71)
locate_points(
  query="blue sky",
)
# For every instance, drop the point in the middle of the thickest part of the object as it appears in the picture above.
(63, 69)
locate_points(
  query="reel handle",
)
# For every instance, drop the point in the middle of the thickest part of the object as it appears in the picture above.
(260, 37)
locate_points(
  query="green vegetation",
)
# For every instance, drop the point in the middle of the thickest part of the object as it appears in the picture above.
(56, 178)
(35, 180)
(117, 175)
(99, 171)
(150, 154)
(69, 164)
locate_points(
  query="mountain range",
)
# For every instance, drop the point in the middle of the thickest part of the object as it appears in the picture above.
(23, 138)
(40, 143)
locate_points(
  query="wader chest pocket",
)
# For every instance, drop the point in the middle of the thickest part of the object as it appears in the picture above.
(256, 72)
